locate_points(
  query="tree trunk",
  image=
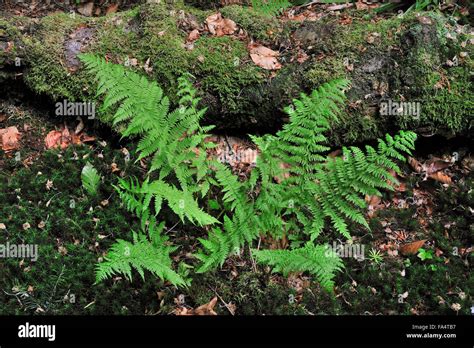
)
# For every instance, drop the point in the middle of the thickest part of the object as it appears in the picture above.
(414, 59)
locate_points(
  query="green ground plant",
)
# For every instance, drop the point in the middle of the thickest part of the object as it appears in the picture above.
(375, 256)
(90, 179)
(270, 7)
(295, 188)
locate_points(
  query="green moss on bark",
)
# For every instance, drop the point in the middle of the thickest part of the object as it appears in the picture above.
(399, 58)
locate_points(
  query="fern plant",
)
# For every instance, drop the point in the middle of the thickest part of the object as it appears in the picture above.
(175, 142)
(90, 179)
(311, 189)
(170, 137)
(149, 253)
(295, 190)
(316, 260)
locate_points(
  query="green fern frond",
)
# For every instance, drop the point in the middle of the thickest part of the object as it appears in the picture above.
(142, 254)
(138, 199)
(316, 260)
(90, 179)
(325, 188)
(216, 249)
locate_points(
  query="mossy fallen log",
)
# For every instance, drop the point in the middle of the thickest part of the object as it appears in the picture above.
(424, 59)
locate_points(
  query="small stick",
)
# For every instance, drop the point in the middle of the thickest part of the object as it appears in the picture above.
(225, 304)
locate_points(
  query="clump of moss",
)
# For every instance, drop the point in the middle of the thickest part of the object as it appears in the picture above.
(44, 52)
(8, 38)
(223, 67)
(72, 230)
(258, 26)
(326, 70)
(443, 87)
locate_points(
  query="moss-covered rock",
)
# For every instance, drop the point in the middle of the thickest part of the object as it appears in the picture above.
(409, 58)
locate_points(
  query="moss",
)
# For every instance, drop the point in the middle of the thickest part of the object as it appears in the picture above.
(223, 68)
(361, 34)
(44, 52)
(77, 228)
(117, 36)
(326, 70)
(258, 26)
(221, 64)
(443, 91)
(85, 230)
(404, 61)
(9, 38)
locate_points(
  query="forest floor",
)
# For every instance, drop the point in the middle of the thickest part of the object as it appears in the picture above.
(42, 202)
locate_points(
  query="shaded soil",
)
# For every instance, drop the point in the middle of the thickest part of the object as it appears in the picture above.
(72, 238)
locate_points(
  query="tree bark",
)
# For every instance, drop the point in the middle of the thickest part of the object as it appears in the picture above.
(415, 59)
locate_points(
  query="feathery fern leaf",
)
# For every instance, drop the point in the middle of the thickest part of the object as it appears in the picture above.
(90, 179)
(317, 260)
(142, 254)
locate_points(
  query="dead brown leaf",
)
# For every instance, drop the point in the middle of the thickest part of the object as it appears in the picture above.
(219, 26)
(111, 9)
(364, 5)
(87, 138)
(441, 177)
(432, 169)
(193, 35)
(53, 139)
(86, 9)
(49, 184)
(436, 164)
(63, 138)
(429, 167)
(339, 7)
(9, 138)
(264, 57)
(302, 57)
(62, 250)
(79, 127)
(205, 309)
(345, 20)
(411, 248)
(114, 167)
(373, 200)
(66, 138)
